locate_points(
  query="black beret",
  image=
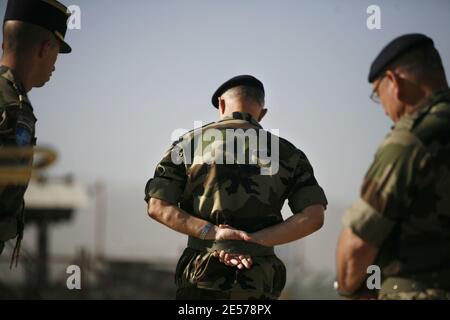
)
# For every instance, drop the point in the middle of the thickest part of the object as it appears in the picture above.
(48, 14)
(242, 80)
(395, 49)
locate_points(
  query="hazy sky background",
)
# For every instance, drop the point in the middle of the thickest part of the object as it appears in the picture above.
(140, 69)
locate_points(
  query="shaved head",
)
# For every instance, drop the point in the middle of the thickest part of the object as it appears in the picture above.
(245, 93)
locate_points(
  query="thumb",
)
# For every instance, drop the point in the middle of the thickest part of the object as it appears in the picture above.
(244, 236)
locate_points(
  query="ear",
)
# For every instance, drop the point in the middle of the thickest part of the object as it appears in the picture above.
(262, 114)
(221, 106)
(395, 81)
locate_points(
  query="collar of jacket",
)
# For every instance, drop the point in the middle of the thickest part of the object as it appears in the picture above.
(242, 116)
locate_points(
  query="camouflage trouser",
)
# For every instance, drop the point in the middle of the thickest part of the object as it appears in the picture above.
(193, 293)
(199, 275)
(428, 294)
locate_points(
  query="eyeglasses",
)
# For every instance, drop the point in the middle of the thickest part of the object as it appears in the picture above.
(374, 96)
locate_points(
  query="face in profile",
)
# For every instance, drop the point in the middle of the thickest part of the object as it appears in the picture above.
(387, 90)
(47, 56)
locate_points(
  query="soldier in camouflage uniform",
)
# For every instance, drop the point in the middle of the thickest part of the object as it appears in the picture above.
(33, 35)
(402, 220)
(234, 207)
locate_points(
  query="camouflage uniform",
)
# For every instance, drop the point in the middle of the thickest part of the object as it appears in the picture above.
(237, 195)
(404, 209)
(17, 129)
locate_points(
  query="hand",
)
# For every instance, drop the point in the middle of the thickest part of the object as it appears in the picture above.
(226, 232)
(234, 259)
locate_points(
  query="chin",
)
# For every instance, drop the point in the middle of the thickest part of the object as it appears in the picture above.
(40, 85)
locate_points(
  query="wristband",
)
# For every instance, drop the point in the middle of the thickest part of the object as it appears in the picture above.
(205, 230)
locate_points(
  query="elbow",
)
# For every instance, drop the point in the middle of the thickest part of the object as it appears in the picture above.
(154, 208)
(319, 220)
(315, 216)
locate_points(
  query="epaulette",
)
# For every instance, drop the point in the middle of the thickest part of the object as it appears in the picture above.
(185, 135)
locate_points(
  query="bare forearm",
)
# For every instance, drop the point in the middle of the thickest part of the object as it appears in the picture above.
(350, 275)
(177, 219)
(296, 227)
(353, 256)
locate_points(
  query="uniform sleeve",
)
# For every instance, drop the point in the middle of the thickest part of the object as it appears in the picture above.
(8, 120)
(17, 125)
(305, 191)
(170, 177)
(387, 189)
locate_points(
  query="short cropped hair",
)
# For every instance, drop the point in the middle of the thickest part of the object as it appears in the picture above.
(246, 93)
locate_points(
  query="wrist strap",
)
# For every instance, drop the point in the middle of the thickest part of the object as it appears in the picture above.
(205, 230)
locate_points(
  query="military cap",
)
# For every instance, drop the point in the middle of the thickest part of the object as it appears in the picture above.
(48, 14)
(395, 49)
(242, 80)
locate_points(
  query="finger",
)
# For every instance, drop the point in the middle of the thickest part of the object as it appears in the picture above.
(245, 263)
(240, 266)
(231, 257)
(222, 255)
(235, 262)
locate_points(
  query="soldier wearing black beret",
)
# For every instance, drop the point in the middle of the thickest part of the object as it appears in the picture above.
(33, 36)
(218, 192)
(401, 222)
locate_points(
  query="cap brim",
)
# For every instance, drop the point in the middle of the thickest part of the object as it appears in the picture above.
(64, 47)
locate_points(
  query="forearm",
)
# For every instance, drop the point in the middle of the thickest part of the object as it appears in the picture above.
(353, 256)
(350, 275)
(178, 220)
(296, 227)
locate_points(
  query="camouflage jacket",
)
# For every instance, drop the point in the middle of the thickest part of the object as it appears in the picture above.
(404, 207)
(17, 129)
(204, 176)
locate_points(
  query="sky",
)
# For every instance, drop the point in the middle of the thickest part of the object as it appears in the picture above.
(141, 69)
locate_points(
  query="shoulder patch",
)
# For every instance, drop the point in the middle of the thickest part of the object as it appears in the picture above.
(23, 136)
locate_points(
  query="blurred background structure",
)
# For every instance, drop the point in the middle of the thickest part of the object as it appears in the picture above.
(142, 69)
(50, 202)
